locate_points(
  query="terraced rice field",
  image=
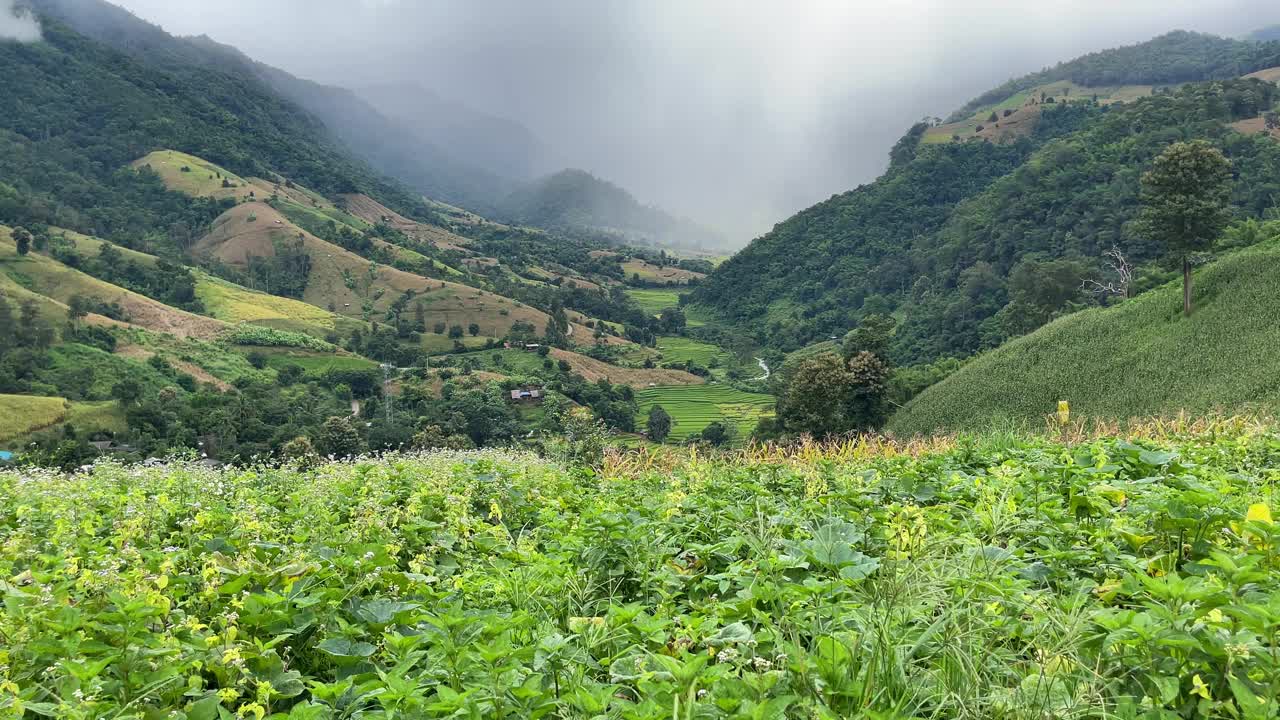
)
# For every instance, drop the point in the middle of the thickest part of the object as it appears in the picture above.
(654, 301)
(681, 349)
(693, 407)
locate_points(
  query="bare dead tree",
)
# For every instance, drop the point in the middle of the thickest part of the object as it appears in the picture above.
(1120, 267)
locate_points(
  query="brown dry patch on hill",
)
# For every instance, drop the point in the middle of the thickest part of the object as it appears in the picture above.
(1271, 75)
(1017, 124)
(137, 352)
(343, 281)
(593, 370)
(245, 231)
(649, 272)
(547, 275)
(370, 210)
(1254, 126)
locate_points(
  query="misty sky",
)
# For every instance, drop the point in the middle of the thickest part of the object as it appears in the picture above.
(734, 112)
(15, 26)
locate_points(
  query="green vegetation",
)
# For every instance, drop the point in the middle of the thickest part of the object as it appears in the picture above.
(82, 160)
(234, 304)
(682, 349)
(1175, 57)
(317, 363)
(254, 335)
(1017, 579)
(693, 407)
(1137, 359)
(194, 176)
(654, 301)
(936, 241)
(22, 414)
(1185, 203)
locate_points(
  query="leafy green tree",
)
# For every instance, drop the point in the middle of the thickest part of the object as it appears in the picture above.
(672, 321)
(872, 335)
(584, 438)
(32, 332)
(78, 307)
(339, 438)
(473, 329)
(128, 391)
(301, 452)
(715, 434)
(659, 424)
(456, 332)
(555, 336)
(1038, 291)
(289, 374)
(23, 240)
(1186, 200)
(825, 395)
(8, 326)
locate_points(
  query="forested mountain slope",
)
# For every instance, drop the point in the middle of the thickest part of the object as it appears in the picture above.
(53, 136)
(348, 119)
(970, 243)
(1138, 359)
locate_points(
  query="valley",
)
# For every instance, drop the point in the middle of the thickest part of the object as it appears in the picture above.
(323, 402)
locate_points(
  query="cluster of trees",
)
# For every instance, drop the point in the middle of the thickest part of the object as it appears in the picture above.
(25, 338)
(1185, 207)
(974, 243)
(169, 282)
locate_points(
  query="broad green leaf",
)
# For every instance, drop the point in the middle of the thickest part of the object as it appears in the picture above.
(342, 647)
(731, 634)
(204, 709)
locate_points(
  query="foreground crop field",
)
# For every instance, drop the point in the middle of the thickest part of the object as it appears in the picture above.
(693, 407)
(1012, 580)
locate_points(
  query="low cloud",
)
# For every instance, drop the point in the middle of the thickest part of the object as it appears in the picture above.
(16, 23)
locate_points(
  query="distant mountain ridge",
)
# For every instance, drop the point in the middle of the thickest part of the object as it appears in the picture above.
(1175, 57)
(576, 200)
(497, 145)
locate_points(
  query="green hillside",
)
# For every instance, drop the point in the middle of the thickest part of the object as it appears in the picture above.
(1137, 359)
(1174, 57)
(1045, 171)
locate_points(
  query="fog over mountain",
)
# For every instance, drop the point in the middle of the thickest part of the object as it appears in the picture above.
(16, 24)
(735, 114)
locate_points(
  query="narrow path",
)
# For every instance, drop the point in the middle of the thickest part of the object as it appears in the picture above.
(763, 367)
